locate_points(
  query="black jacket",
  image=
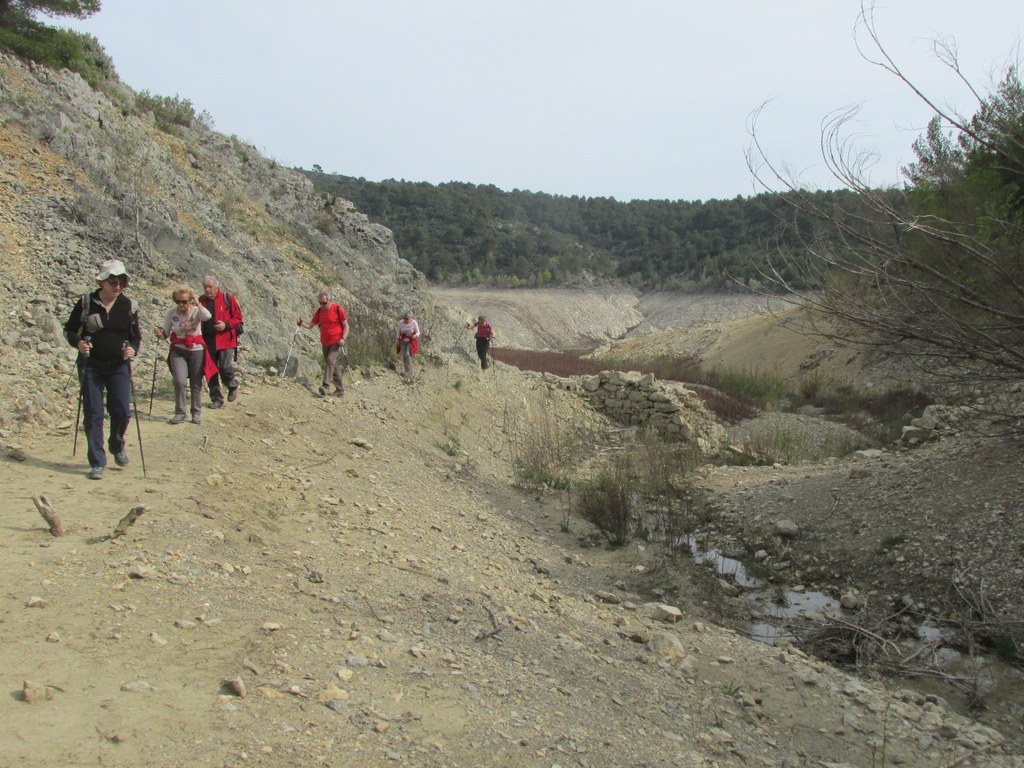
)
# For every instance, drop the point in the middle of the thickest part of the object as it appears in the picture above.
(119, 325)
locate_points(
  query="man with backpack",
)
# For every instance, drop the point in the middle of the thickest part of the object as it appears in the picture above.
(333, 324)
(104, 327)
(220, 334)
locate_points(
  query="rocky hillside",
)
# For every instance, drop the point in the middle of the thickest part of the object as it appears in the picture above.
(84, 178)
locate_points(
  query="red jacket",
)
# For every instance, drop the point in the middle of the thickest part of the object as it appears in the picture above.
(332, 323)
(230, 315)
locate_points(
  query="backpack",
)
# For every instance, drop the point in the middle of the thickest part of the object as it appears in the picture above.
(228, 300)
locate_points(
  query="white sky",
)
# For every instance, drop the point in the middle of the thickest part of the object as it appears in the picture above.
(632, 99)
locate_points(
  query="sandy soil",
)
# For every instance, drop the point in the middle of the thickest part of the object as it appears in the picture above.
(364, 569)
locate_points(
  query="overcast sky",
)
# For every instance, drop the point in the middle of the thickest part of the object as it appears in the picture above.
(645, 99)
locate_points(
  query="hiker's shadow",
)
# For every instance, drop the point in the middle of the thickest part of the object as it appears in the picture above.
(53, 466)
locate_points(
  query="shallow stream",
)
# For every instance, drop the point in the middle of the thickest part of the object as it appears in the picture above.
(776, 611)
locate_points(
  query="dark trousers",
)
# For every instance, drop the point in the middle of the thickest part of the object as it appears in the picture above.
(482, 347)
(225, 360)
(115, 378)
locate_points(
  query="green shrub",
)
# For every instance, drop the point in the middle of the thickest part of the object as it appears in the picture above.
(1007, 649)
(450, 445)
(59, 49)
(172, 113)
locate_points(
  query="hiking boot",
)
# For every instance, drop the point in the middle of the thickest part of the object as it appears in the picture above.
(178, 418)
(322, 391)
(95, 473)
(338, 392)
(216, 404)
(196, 419)
(121, 459)
(232, 394)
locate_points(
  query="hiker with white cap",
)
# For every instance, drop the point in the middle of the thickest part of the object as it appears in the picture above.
(104, 327)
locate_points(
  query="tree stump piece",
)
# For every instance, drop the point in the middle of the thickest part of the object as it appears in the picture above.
(128, 520)
(49, 515)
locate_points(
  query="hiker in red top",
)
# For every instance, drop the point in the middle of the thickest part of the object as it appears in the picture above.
(333, 324)
(484, 334)
(220, 333)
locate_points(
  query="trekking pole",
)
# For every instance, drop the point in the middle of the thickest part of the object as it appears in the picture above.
(152, 389)
(78, 418)
(135, 408)
(288, 359)
(78, 413)
(67, 383)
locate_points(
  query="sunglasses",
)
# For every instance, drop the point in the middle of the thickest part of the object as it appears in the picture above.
(117, 280)
(181, 301)
(323, 303)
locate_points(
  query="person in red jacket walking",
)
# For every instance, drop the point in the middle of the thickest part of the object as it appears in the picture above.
(220, 333)
(484, 336)
(333, 324)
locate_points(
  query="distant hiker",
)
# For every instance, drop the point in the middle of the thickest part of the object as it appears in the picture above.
(484, 334)
(220, 334)
(407, 341)
(333, 324)
(187, 358)
(104, 327)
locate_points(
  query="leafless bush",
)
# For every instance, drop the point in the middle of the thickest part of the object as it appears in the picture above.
(931, 273)
(609, 501)
(545, 449)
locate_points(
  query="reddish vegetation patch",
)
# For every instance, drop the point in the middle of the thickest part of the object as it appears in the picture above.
(558, 363)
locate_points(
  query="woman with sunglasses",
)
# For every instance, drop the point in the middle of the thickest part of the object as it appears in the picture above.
(187, 358)
(104, 327)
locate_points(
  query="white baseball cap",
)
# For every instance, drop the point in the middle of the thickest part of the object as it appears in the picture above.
(111, 267)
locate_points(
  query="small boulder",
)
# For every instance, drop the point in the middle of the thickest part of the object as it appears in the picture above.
(666, 613)
(786, 529)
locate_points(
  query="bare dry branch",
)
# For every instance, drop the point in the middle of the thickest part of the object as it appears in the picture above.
(129, 520)
(49, 515)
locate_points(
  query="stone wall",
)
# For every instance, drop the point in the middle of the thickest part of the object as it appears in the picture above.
(638, 399)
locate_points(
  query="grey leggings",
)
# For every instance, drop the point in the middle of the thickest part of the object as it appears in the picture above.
(187, 371)
(331, 372)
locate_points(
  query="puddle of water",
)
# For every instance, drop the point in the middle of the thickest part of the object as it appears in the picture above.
(773, 612)
(724, 566)
(776, 610)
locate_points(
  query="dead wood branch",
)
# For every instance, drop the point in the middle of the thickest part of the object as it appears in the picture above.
(49, 515)
(129, 520)
(496, 627)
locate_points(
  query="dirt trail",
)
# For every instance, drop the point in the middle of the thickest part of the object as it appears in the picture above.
(365, 568)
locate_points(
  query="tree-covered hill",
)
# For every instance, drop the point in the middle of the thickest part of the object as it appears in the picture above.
(478, 234)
